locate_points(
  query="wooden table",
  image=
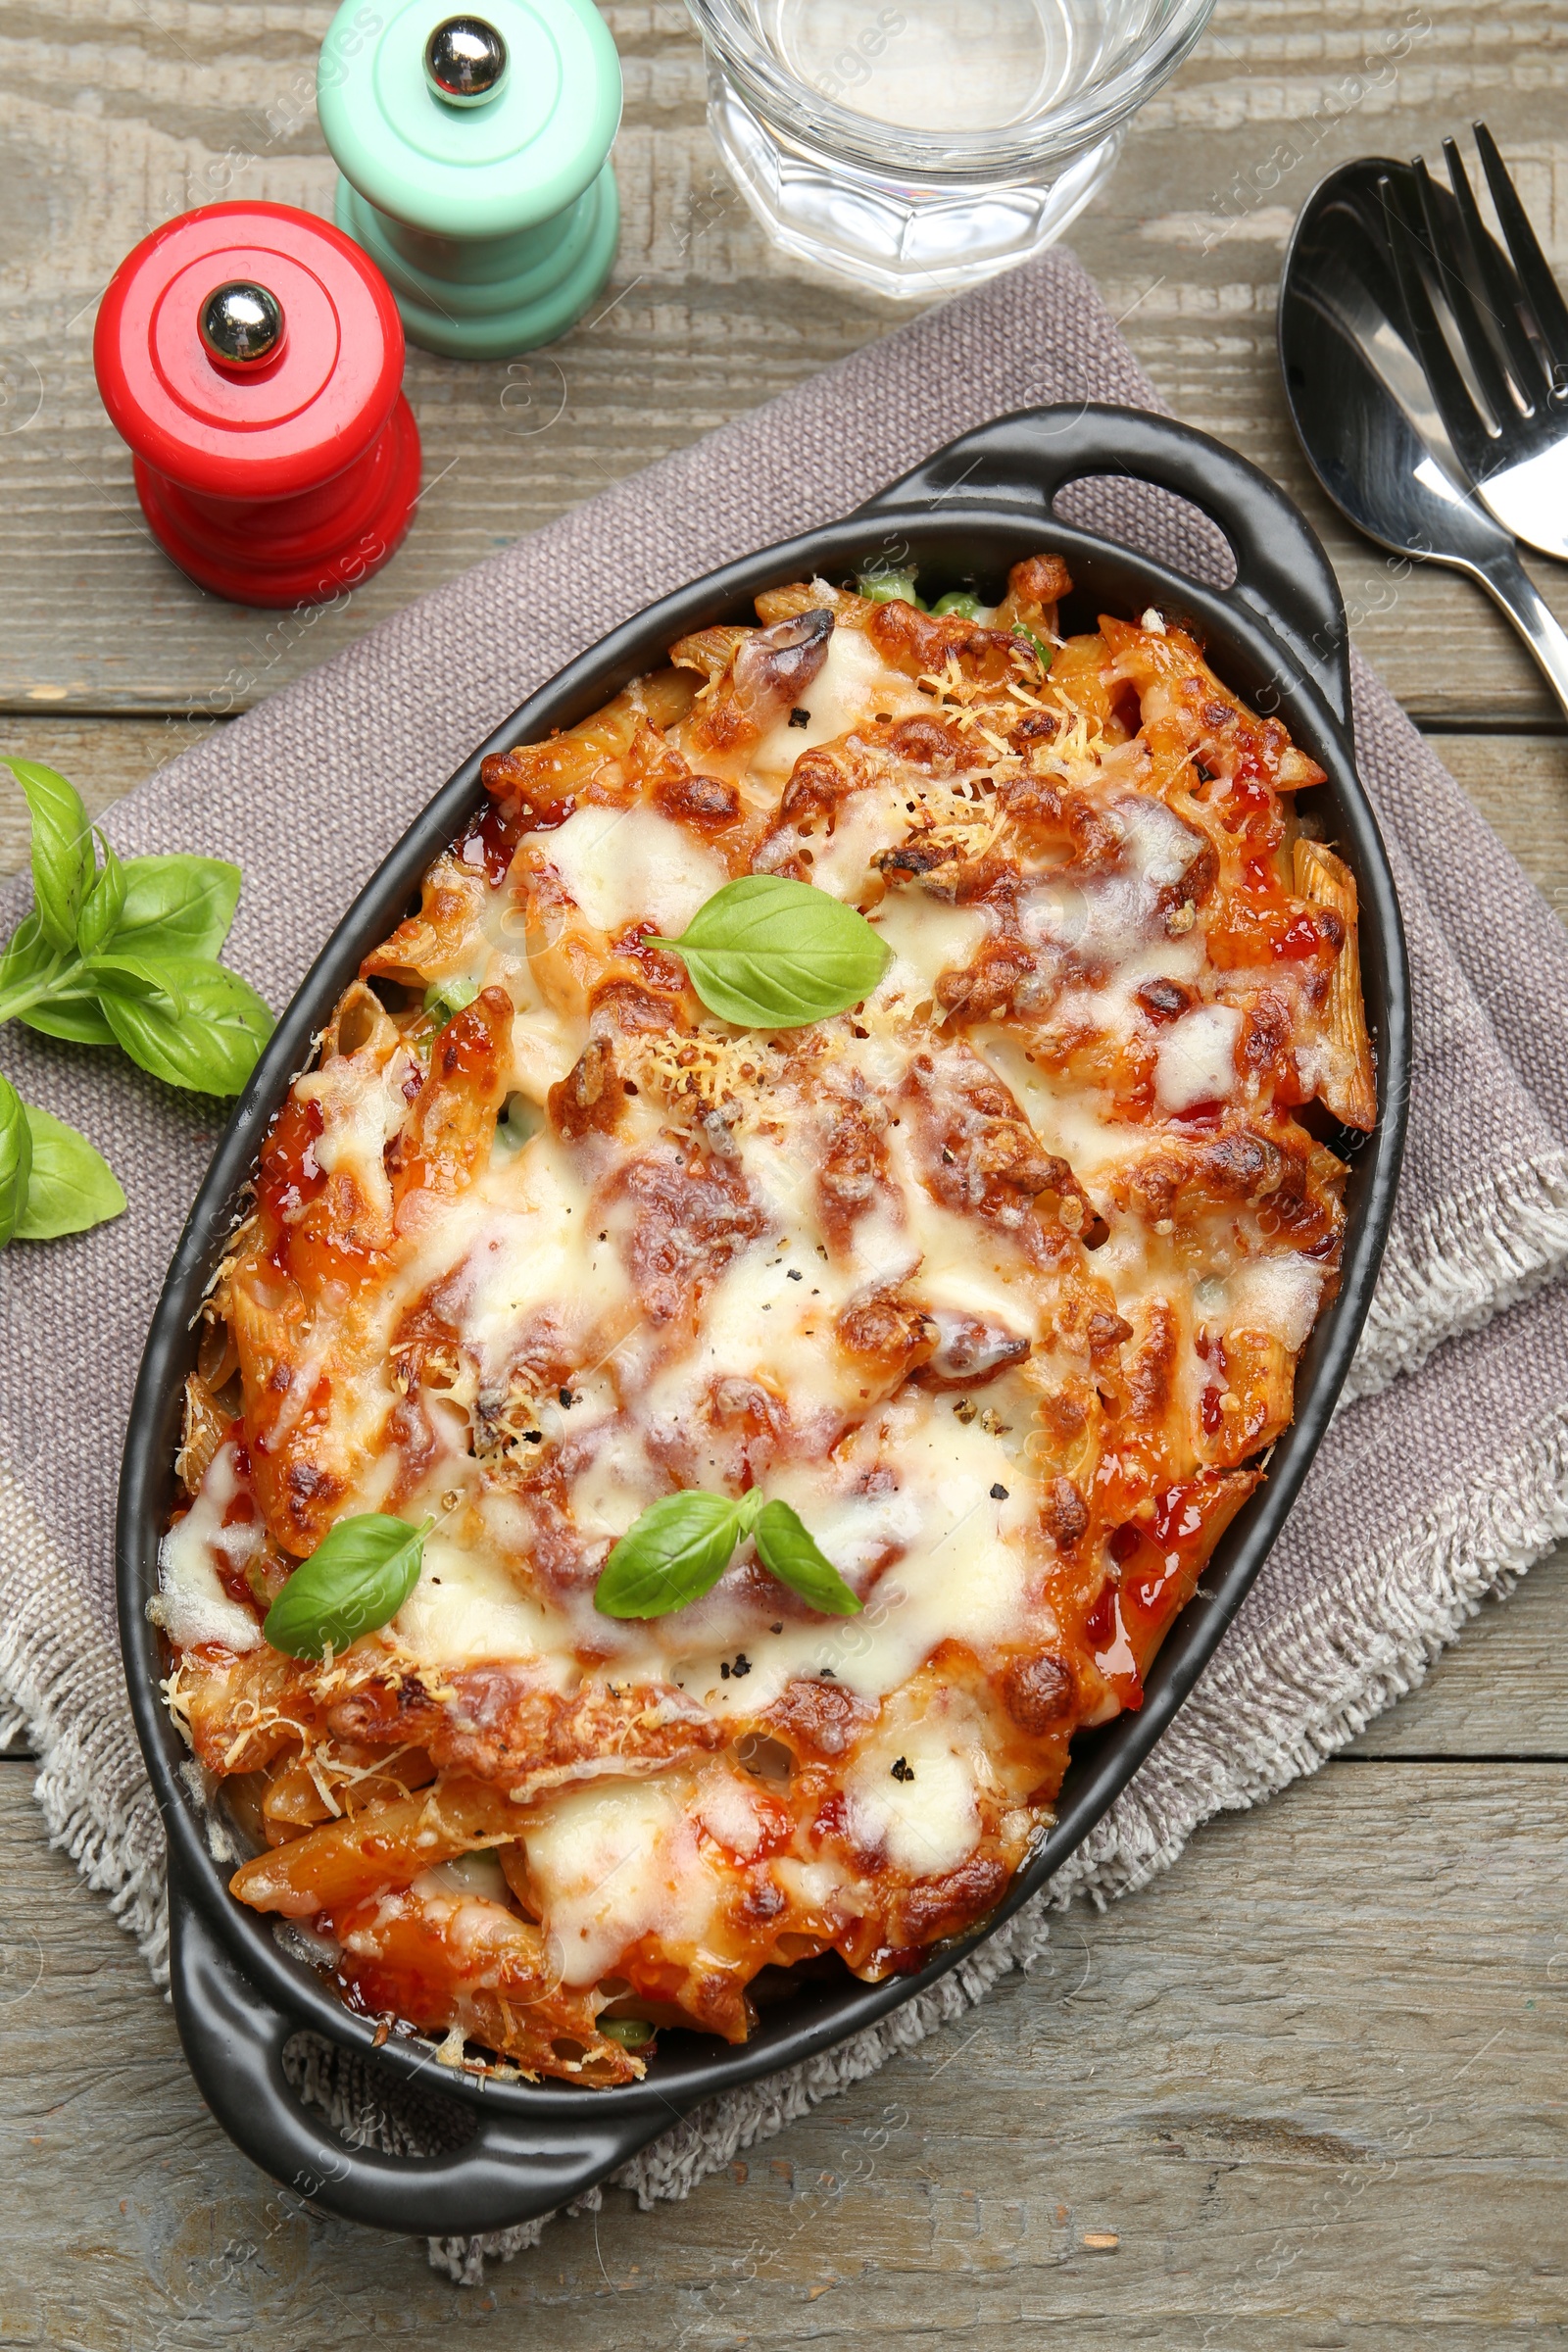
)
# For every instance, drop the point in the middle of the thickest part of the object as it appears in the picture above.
(1309, 2090)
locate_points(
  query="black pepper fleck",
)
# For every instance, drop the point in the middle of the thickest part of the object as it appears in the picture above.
(829, 1675)
(998, 1493)
(723, 1669)
(800, 718)
(743, 1664)
(776, 1628)
(796, 1276)
(903, 1771)
(567, 1398)
(533, 1436)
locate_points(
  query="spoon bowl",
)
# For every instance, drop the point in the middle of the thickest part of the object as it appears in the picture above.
(1359, 403)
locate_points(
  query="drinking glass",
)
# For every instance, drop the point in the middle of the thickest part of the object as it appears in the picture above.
(916, 146)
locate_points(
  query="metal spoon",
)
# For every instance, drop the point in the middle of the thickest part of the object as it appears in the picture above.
(1361, 409)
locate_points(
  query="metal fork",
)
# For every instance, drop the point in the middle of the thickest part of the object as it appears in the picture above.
(1508, 423)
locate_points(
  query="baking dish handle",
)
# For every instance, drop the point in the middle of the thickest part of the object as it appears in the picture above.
(509, 2171)
(1022, 461)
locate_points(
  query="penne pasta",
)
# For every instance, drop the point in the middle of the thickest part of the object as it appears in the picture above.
(385, 1843)
(1349, 1086)
(957, 1320)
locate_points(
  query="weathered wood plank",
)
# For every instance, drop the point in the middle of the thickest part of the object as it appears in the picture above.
(1500, 1691)
(1520, 784)
(706, 319)
(104, 758)
(1309, 2084)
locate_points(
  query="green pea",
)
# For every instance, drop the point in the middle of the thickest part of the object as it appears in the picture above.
(960, 600)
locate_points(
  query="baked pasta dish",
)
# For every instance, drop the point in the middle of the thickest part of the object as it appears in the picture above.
(779, 1275)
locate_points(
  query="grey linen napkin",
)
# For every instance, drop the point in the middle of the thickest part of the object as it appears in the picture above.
(1440, 1485)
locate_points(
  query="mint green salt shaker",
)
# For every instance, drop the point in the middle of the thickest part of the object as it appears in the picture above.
(474, 158)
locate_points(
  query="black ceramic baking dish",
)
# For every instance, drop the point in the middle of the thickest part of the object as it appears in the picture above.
(1278, 638)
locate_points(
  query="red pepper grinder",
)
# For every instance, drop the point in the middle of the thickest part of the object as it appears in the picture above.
(252, 355)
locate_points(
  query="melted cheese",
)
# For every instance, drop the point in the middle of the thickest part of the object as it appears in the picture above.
(923, 1817)
(1280, 1295)
(851, 687)
(362, 1105)
(624, 865)
(190, 1604)
(612, 1863)
(842, 1265)
(465, 1606)
(1197, 1059)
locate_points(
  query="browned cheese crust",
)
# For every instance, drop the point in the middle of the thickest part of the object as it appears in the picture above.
(1000, 1279)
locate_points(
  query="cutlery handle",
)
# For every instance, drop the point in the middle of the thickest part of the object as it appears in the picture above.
(1510, 587)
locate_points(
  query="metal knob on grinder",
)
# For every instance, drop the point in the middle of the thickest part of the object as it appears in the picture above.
(474, 150)
(465, 59)
(252, 356)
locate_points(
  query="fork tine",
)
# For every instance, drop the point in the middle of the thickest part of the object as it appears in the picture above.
(1455, 284)
(1539, 286)
(1498, 291)
(1471, 443)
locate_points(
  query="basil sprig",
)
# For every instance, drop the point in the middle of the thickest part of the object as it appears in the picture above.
(682, 1545)
(766, 952)
(355, 1581)
(119, 953)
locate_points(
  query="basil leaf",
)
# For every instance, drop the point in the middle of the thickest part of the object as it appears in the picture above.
(103, 904)
(142, 976)
(677, 1551)
(786, 1551)
(355, 1581)
(770, 954)
(176, 907)
(212, 1040)
(16, 1160)
(28, 955)
(74, 1018)
(61, 848)
(73, 1186)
